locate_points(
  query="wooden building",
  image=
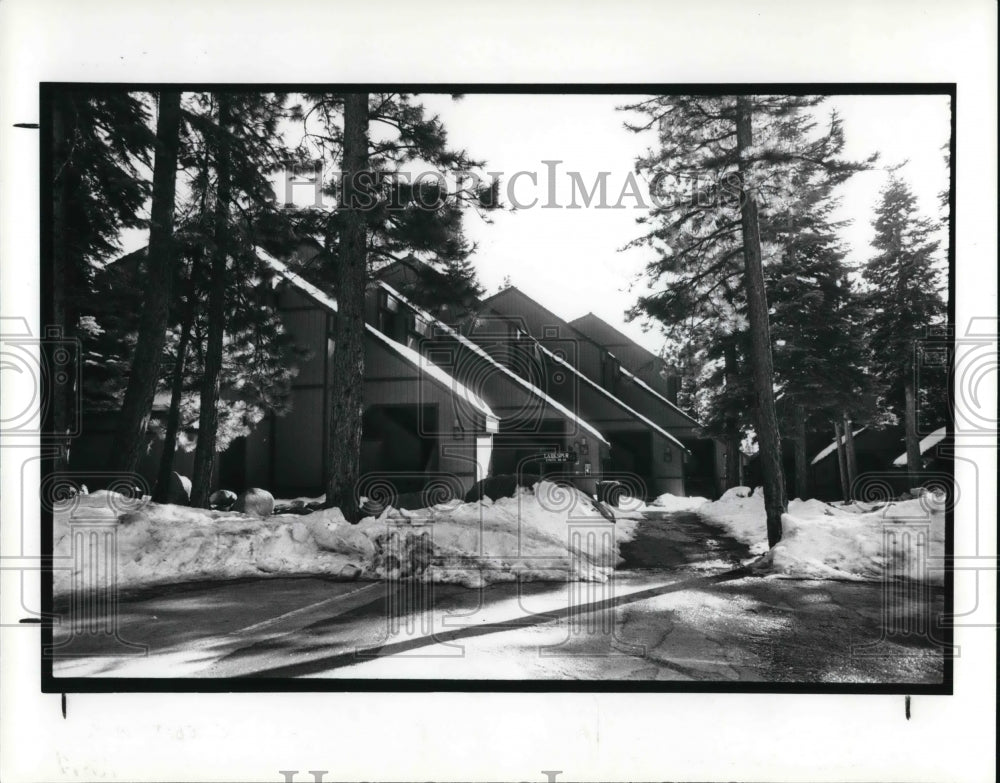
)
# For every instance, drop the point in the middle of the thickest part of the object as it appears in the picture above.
(419, 422)
(645, 429)
(495, 387)
(651, 386)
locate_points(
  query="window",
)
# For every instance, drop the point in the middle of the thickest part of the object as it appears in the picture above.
(611, 371)
(390, 320)
(417, 329)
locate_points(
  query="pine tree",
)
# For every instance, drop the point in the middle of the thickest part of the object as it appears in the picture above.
(346, 393)
(720, 163)
(695, 232)
(256, 359)
(904, 285)
(381, 217)
(818, 317)
(235, 210)
(448, 290)
(145, 369)
(208, 419)
(99, 144)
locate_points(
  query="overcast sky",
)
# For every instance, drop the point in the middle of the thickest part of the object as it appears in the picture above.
(570, 259)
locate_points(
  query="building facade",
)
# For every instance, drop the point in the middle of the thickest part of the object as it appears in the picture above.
(497, 387)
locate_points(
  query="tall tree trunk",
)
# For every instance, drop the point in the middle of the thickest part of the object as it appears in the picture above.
(130, 438)
(208, 407)
(914, 462)
(348, 371)
(732, 431)
(841, 462)
(760, 337)
(174, 414)
(799, 447)
(850, 457)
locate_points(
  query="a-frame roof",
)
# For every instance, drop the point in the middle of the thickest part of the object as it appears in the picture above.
(513, 292)
(406, 353)
(599, 331)
(469, 345)
(603, 333)
(583, 378)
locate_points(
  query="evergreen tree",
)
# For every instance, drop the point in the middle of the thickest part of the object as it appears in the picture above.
(100, 142)
(375, 139)
(820, 352)
(145, 368)
(346, 393)
(761, 366)
(237, 207)
(448, 290)
(252, 358)
(208, 408)
(904, 284)
(719, 162)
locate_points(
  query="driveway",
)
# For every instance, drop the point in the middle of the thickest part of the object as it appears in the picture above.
(679, 608)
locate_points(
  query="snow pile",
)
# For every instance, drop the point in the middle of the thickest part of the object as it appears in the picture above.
(668, 502)
(823, 541)
(635, 510)
(550, 532)
(740, 512)
(900, 540)
(159, 544)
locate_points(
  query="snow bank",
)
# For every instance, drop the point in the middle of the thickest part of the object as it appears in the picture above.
(740, 512)
(167, 543)
(634, 510)
(900, 540)
(668, 502)
(544, 533)
(824, 541)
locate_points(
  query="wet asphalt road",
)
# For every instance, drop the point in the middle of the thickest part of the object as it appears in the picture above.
(679, 608)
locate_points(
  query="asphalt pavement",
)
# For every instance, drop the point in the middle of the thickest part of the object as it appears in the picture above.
(680, 607)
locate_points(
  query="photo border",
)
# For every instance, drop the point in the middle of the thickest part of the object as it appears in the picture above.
(51, 684)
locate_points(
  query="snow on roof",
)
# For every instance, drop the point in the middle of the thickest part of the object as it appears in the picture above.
(597, 386)
(927, 442)
(467, 343)
(572, 325)
(610, 396)
(456, 388)
(822, 455)
(643, 385)
(407, 353)
(297, 280)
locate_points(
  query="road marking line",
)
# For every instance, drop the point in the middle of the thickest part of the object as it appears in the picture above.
(303, 609)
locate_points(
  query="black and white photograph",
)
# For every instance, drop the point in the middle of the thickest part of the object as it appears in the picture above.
(399, 396)
(366, 385)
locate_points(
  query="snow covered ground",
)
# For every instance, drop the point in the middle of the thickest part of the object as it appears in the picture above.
(834, 541)
(526, 536)
(529, 536)
(670, 502)
(635, 509)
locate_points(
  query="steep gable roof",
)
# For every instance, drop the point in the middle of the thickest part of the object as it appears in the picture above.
(514, 293)
(828, 450)
(406, 353)
(471, 346)
(603, 333)
(927, 442)
(581, 376)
